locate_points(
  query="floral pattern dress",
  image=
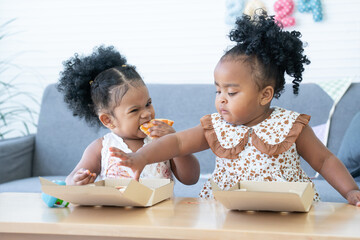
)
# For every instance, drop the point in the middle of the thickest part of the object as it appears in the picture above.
(110, 169)
(264, 152)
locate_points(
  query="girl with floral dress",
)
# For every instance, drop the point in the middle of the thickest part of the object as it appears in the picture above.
(252, 140)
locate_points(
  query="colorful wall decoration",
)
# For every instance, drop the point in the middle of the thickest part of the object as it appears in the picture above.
(283, 10)
(313, 6)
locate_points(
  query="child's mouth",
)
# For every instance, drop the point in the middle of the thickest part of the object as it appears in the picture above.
(223, 111)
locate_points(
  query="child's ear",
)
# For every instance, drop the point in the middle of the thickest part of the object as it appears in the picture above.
(106, 120)
(267, 95)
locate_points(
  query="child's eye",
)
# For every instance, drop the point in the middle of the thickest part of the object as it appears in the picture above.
(217, 92)
(232, 93)
(149, 103)
(134, 110)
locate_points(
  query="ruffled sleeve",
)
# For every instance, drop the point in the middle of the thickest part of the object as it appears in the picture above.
(274, 149)
(218, 150)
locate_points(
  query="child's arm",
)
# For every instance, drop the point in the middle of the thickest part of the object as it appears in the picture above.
(173, 145)
(89, 166)
(185, 168)
(328, 165)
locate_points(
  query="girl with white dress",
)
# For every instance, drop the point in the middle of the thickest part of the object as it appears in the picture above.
(106, 91)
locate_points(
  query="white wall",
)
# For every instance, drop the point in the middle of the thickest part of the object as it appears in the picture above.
(169, 41)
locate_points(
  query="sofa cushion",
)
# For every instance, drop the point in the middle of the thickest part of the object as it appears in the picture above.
(27, 184)
(304, 102)
(345, 110)
(16, 158)
(349, 152)
(181, 190)
(61, 138)
(327, 192)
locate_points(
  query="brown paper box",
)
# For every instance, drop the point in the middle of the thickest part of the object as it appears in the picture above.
(267, 196)
(145, 193)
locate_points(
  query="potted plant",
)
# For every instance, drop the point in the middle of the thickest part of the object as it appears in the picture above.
(15, 116)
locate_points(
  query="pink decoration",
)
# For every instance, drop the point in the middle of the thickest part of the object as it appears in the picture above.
(284, 9)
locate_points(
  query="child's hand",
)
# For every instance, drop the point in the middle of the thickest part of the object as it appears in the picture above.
(353, 197)
(131, 160)
(84, 176)
(160, 129)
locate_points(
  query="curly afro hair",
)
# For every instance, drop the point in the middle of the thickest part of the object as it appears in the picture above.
(269, 50)
(97, 82)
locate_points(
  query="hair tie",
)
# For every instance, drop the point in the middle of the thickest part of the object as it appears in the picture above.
(91, 82)
(124, 65)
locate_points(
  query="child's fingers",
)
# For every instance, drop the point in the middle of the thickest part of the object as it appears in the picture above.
(92, 178)
(159, 131)
(84, 176)
(115, 152)
(81, 179)
(357, 199)
(130, 163)
(126, 162)
(157, 122)
(353, 197)
(162, 125)
(156, 133)
(81, 174)
(122, 156)
(84, 181)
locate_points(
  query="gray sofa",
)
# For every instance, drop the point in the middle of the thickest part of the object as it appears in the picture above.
(61, 138)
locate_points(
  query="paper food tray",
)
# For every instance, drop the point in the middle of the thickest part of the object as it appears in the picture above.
(267, 196)
(113, 192)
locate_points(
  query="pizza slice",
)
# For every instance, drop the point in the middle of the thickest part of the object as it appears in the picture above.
(150, 124)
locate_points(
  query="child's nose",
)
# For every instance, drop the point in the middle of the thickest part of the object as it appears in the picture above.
(146, 114)
(222, 99)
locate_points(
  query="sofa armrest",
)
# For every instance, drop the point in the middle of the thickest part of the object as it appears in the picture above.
(16, 156)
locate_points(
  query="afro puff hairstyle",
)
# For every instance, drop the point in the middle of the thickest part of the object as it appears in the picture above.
(87, 82)
(270, 51)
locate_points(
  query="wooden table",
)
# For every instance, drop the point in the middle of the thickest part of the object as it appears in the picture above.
(25, 216)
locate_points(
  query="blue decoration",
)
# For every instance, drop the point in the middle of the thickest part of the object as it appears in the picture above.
(313, 6)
